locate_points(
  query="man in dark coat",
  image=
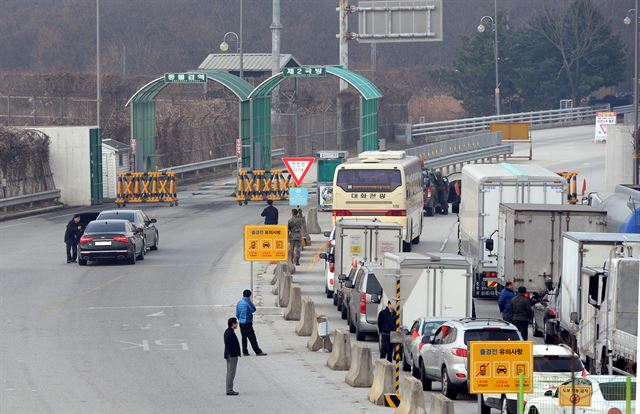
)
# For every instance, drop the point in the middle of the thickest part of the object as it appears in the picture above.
(72, 237)
(231, 353)
(386, 325)
(270, 213)
(504, 301)
(522, 312)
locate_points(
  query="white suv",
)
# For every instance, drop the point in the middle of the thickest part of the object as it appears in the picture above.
(552, 365)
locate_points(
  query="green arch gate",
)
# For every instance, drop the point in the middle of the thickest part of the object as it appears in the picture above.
(260, 108)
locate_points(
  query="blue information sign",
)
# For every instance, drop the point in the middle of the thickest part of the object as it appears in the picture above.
(298, 196)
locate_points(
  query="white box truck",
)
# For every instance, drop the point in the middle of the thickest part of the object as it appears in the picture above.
(433, 284)
(484, 187)
(593, 277)
(529, 241)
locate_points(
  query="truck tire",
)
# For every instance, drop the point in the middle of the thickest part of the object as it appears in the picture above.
(415, 240)
(343, 311)
(406, 247)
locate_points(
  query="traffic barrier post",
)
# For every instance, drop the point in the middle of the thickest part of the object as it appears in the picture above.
(150, 187)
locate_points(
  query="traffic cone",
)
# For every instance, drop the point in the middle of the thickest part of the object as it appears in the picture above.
(584, 186)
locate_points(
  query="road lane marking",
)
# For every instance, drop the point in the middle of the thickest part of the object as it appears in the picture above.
(159, 344)
(156, 314)
(59, 305)
(172, 307)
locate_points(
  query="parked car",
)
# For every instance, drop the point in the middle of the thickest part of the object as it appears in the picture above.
(552, 365)
(544, 317)
(362, 311)
(608, 396)
(412, 340)
(141, 221)
(111, 239)
(87, 217)
(443, 357)
(329, 264)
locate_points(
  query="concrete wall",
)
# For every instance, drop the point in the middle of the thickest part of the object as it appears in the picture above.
(69, 157)
(619, 156)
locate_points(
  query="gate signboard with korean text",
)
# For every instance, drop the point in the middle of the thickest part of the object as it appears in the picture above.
(265, 243)
(495, 366)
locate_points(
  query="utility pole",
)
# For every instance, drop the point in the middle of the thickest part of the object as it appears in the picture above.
(495, 54)
(636, 138)
(240, 45)
(98, 63)
(275, 38)
(343, 13)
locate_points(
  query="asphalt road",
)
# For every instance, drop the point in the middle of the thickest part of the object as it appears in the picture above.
(116, 338)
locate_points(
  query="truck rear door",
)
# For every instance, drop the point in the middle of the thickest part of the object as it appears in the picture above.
(492, 195)
(385, 240)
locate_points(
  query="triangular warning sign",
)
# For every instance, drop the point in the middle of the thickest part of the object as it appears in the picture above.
(298, 167)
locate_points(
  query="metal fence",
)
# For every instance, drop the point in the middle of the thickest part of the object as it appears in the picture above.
(555, 117)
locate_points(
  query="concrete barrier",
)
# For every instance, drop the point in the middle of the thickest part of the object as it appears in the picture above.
(280, 267)
(276, 286)
(284, 288)
(383, 379)
(291, 267)
(294, 308)
(307, 318)
(441, 404)
(361, 371)
(340, 358)
(312, 221)
(411, 396)
(317, 342)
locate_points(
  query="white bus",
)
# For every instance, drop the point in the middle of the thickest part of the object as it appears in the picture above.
(383, 185)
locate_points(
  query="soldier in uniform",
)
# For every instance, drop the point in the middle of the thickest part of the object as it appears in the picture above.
(442, 186)
(295, 226)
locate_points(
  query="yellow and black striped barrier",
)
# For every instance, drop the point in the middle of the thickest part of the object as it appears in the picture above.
(151, 187)
(393, 400)
(261, 185)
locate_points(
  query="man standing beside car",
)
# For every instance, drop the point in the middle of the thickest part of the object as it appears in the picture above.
(386, 324)
(522, 312)
(72, 237)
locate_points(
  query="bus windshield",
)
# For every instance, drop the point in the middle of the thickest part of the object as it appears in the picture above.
(379, 180)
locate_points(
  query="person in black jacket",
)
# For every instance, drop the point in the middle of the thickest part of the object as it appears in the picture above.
(522, 312)
(72, 237)
(386, 324)
(231, 353)
(270, 213)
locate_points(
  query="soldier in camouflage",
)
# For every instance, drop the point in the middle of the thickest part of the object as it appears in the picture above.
(295, 225)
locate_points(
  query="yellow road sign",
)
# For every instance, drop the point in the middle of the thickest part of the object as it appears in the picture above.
(265, 243)
(575, 396)
(495, 366)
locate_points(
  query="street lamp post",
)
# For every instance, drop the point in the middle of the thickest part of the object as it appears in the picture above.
(224, 46)
(493, 23)
(636, 138)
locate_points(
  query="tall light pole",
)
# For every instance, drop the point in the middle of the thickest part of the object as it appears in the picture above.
(636, 138)
(224, 46)
(493, 22)
(98, 63)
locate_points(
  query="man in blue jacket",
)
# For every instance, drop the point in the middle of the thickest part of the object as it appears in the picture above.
(244, 312)
(504, 302)
(231, 353)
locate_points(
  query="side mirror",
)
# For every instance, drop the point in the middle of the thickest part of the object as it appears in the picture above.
(426, 339)
(154, 220)
(327, 234)
(323, 255)
(548, 393)
(488, 244)
(375, 298)
(342, 277)
(573, 317)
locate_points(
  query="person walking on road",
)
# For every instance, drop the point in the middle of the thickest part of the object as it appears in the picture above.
(386, 325)
(295, 226)
(231, 353)
(504, 302)
(270, 213)
(244, 312)
(522, 312)
(72, 238)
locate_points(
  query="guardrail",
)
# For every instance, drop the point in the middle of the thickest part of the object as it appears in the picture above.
(451, 152)
(420, 132)
(624, 109)
(218, 162)
(50, 195)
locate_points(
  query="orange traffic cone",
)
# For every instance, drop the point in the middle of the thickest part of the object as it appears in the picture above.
(584, 186)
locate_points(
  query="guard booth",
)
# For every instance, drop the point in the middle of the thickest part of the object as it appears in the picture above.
(328, 161)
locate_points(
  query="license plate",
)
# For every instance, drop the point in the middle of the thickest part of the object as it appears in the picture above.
(103, 243)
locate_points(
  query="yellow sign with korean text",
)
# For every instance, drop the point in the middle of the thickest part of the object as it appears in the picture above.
(263, 243)
(574, 396)
(495, 366)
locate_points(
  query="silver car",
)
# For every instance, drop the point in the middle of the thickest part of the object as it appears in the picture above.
(413, 341)
(443, 357)
(362, 312)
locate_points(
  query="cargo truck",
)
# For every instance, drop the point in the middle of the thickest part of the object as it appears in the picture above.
(529, 241)
(484, 187)
(598, 299)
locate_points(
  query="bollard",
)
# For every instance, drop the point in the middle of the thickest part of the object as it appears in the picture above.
(411, 397)
(317, 342)
(340, 358)
(383, 381)
(312, 221)
(441, 404)
(284, 288)
(294, 308)
(360, 373)
(307, 318)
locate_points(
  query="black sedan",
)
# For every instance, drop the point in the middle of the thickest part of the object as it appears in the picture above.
(141, 221)
(111, 239)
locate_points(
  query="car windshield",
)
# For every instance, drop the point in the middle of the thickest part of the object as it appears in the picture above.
(616, 390)
(369, 180)
(106, 227)
(490, 335)
(555, 363)
(117, 215)
(429, 327)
